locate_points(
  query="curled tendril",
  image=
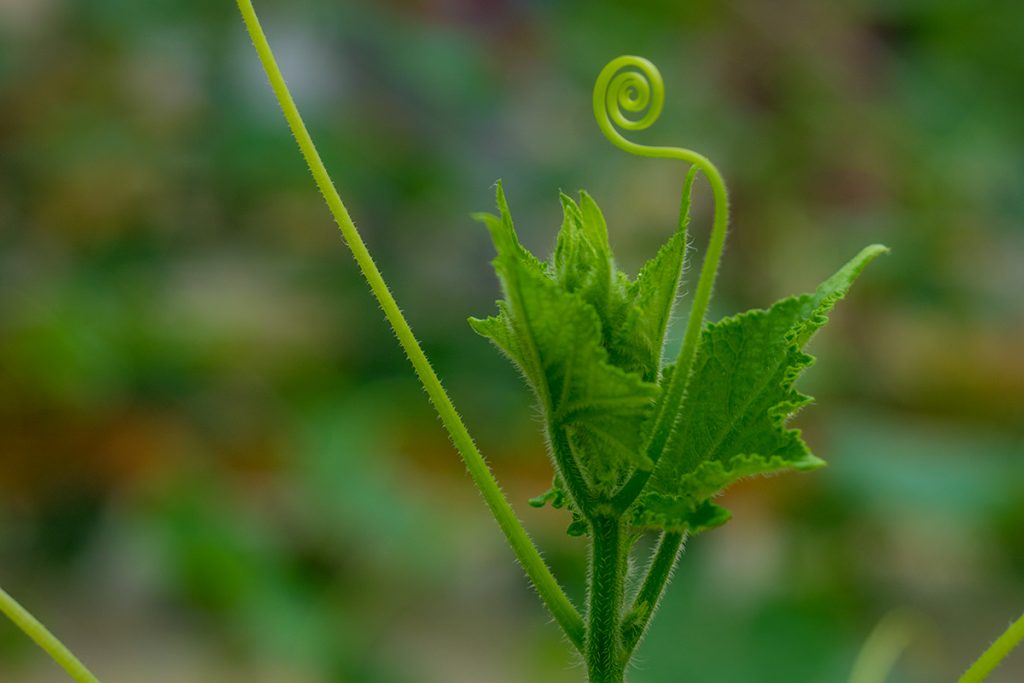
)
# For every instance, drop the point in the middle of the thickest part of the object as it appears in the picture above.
(629, 86)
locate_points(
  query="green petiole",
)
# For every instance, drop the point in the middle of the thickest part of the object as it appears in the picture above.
(44, 639)
(996, 653)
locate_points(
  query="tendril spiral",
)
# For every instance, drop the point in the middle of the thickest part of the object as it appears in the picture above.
(628, 86)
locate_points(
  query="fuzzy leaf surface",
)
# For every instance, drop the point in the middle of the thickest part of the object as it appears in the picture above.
(739, 398)
(551, 325)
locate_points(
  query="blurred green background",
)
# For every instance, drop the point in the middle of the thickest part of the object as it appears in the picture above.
(216, 466)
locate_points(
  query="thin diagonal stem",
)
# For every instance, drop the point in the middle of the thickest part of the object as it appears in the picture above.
(44, 639)
(547, 586)
(996, 653)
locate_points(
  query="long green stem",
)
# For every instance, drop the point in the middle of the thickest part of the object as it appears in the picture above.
(603, 651)
(44, 639)
(646, 601)
(545, 583)
(996, 653)
(634, 84)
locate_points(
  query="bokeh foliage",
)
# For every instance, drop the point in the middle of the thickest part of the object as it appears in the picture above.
(212, 452)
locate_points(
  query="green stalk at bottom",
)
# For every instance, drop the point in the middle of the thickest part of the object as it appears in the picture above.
(996, 653)
(44, 639)
(603, 648)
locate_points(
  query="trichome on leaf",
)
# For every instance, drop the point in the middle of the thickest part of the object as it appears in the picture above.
(589, 341)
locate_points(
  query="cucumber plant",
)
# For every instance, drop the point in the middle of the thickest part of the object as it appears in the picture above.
(637, 444)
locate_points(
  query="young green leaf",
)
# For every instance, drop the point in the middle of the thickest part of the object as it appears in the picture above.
(583, 259)
(550, 326)
(738, 400)
(557, 498)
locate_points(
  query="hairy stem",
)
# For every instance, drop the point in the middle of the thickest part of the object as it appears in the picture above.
(44, 639)
(568, 467)
(663, 561)
(529, 556)
(996, 653)
(603, 650)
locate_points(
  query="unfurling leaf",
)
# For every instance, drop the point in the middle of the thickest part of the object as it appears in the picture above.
(576, 330)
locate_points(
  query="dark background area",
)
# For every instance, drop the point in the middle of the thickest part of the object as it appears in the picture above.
(216, 465)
